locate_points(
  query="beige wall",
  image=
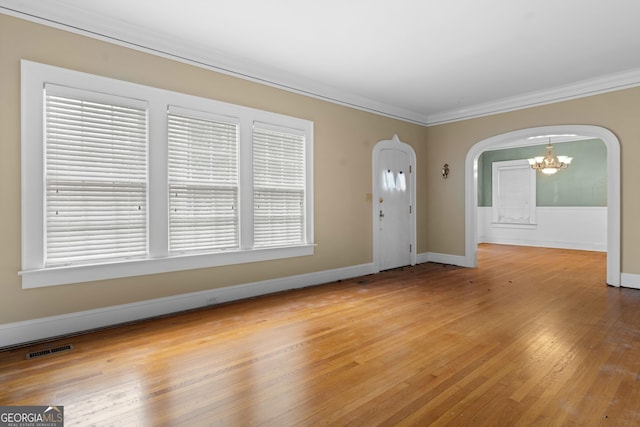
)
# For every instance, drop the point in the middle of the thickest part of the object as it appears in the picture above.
(617, 111)
(344, 140)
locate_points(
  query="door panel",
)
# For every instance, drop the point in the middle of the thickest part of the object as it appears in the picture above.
(394, 219)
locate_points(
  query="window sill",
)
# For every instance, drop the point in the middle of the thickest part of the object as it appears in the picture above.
(514, 225)
(138, 267)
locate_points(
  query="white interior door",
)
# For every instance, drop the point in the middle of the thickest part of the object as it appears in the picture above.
(395, 210)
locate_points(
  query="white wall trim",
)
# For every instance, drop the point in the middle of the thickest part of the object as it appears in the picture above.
(570, 227)
(12, 334)
(442, 259)
(630, 280)
(421, 258)
(581, 89)
(519, 138)
(78, 21)
(75, 20)
(546, 244)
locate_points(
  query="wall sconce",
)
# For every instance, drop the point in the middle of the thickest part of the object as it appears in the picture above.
(445, 170)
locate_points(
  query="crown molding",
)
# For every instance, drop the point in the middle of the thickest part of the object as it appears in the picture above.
(581, 89)
(61, 15)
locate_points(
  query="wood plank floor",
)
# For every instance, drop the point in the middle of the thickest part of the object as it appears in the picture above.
(531, 337)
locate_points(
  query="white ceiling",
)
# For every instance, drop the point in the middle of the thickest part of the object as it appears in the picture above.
(426, 61)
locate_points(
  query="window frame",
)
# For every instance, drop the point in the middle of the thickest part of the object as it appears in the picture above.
(220, 120)
(262, 128)
(75, 112)
(34, 274)
(511, 165)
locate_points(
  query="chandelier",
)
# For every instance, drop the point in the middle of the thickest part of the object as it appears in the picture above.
(549, 164)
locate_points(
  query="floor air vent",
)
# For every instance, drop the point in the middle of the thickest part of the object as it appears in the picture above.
(48, 351)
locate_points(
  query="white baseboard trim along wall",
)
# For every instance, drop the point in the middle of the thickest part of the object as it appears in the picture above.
(12, 334)
(442, 259)
(17, 333)
(630, 280)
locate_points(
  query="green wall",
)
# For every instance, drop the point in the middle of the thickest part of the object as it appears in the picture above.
(583, 183)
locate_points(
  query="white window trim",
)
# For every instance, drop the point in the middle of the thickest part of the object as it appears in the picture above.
(34, 274)
(258, 126)
(225, 121)
(495, 191)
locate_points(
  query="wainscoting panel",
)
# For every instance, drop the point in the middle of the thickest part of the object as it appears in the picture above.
(583, 228)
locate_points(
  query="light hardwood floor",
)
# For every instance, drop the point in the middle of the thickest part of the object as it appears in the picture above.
(531, 337)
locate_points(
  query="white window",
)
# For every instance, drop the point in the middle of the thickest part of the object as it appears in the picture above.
(278, 186)
(120, 179)
(513, 193)
(203, 182)
(95, 176)
(391, 182)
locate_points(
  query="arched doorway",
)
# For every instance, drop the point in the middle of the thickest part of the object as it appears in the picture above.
(519, 138)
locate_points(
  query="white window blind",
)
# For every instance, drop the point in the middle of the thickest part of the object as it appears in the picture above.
(278, 187)
(95, 176)
(513, 192)
(203, 183)
(121, 179)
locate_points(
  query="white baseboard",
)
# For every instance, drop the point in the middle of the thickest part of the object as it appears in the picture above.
(442, 259)
(12, 334)
(580, 228)
(596, 247)
(422, 258)
(630, 280)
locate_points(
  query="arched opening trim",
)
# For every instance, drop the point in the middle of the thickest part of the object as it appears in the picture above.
(520, 138)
